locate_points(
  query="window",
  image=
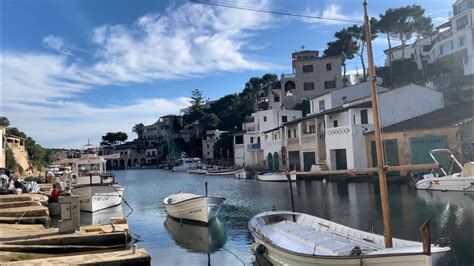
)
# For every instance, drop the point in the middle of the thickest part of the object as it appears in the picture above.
(276, 98)
(307, 68)
(334, 123)
(331, 84)
(284, 119)
(251, 139)
(462, 22)
(462, 41)
(321, 105)
(239, 139)
(289, 134)
(462, 6)
(312, 129)
(208, 145)
(258, 139)
(294, 132)
(308, 86)
(207, 153)
(364, 117)
(264, 119)
(328, 67)
(446, 47)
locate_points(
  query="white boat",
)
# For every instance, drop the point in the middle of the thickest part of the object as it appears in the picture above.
(197, 238)
(315, 241)
(462, 181)
(276, 177)
(242, 174)
(197, 171)
(97, 197)
(194, 207)
(96, 188)
(184, 164)
(223, 172)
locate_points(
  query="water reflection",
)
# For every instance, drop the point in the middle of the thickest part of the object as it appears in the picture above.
(195, 237)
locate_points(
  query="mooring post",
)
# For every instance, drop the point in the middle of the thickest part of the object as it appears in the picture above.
(205, 184)
(288, 176)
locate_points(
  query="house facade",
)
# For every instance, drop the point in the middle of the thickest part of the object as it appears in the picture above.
(208, 141)
(249, 147)
(346, 125)
(312, 75)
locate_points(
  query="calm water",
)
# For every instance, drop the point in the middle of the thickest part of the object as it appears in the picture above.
(355, 205)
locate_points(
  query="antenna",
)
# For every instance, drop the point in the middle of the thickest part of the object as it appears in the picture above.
(302, 47)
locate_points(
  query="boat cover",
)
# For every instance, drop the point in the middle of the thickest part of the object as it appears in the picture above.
(468, 169)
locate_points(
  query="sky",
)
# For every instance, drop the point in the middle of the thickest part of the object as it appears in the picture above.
(72, 70)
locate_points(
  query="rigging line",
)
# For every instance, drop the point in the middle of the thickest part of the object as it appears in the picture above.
(277, 12)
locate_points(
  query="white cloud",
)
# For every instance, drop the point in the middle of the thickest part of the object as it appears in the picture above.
(331, 11)
(41, 90)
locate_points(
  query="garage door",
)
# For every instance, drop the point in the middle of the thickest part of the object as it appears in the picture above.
(309, 159)
(294, 160)
(390, 148)
(421, 146)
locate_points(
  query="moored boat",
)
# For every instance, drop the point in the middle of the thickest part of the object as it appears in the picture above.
(462, 181)
(276, 177)
(291, 238)
(242, 174)
(184, 164)
(223, 171)
(194, 207)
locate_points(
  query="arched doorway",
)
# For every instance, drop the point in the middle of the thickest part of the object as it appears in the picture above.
(122, 163)
(276, 162)
(142, 161)
(290, 87)
(270, 162)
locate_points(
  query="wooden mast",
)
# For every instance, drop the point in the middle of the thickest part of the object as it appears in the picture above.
(378, 136)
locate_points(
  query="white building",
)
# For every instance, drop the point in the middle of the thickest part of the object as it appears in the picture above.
(452, 41)
(208, 141)
(338, 97)
(248, 148)
(345, 125)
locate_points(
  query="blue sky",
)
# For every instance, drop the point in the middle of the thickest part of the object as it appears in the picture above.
(74, 70)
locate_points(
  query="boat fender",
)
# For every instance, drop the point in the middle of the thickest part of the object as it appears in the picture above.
(258, 249)
(356, 251)
(443, 242)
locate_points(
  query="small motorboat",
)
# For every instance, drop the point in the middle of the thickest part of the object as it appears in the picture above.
(291, 238)
(276, 177)
(184, 164)
(462, 181)
(188, 206)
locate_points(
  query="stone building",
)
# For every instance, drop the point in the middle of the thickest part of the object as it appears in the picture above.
(208, 141)
(2, 147)
(410, 141)
(311, 76)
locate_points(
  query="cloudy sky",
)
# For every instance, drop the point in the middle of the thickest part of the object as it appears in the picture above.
(74, 70)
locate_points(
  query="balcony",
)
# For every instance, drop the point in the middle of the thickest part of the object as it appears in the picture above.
(251, 127)
(287, 76)
(253, 147)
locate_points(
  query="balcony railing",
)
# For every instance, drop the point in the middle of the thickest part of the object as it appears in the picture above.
(287, 75)
(253, 147)
(251, 127)
(347, 130)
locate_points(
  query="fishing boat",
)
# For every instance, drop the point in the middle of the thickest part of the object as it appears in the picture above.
(198, 171)
(276, 177)
(291, 238)
(184, 164)
(96, 188)
(461, 181)
(223, 171)
(188, 206)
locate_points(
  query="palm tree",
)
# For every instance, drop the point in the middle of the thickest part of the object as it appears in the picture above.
(139, 129)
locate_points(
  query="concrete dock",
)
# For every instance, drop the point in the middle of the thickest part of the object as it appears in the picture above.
(26, 239)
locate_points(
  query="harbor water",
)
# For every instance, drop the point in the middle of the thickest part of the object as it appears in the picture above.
(227, 241)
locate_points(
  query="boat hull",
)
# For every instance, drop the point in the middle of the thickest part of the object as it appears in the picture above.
(315, 241)
(98, 197)
(201, 209)
(223, 173)
(447, 183)
(242, 174)
(276, 177)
